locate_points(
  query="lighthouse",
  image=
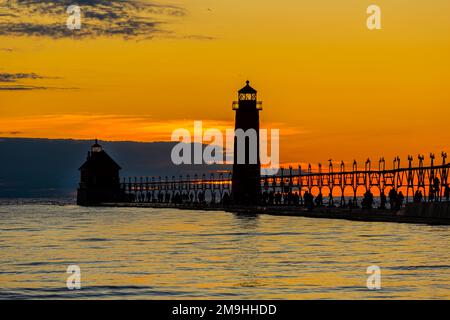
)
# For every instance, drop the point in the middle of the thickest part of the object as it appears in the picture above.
(99, 181)
(246, 184)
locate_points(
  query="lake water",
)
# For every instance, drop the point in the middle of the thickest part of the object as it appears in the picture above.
(128, 253)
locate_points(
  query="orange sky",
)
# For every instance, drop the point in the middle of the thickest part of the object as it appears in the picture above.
(334, 88)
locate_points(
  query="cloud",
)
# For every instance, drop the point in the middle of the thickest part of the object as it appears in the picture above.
(116, 127)
(16, 86)
(13, 77)
(21, 88)
(109, 18)
(28, 88)
(198, 37)
(86, 126)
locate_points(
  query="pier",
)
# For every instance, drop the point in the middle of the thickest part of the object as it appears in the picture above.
(213, 192)
(367, 192)
(430, 180)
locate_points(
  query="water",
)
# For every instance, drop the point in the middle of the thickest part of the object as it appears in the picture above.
(128, 253)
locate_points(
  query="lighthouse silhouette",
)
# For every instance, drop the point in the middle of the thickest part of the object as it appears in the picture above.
(99, 179)
(246, 185)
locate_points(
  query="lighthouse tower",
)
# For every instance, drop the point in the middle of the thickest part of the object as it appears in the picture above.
(246, 185)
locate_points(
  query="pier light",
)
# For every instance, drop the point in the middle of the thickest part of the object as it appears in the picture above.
(247, 97)
(247, 92)
(96, 147)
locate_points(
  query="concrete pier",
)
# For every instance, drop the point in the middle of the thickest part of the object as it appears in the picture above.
(427, 210)
(431, 213)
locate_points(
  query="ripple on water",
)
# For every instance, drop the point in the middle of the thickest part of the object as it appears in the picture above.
(152, 253)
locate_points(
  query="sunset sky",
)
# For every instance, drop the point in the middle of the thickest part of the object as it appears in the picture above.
(139, 69)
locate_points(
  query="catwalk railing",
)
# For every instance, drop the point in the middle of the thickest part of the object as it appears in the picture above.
(431, 180)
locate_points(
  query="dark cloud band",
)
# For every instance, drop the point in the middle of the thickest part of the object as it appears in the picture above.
(13, 77)
(20, 88)
(29, 88)
(12, 82)
(124, 18)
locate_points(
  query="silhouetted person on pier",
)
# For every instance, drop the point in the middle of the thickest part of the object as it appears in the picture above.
(367, 202)
(278, 198)
(436, 187)
(330, 200)
(319, 200)
(309, 200)
(350, 204)
(264, 198)
(392, 198)
(271, 197)
(290, 198)
(296, 199)
(305, 198)
(418, 196)
(431, 195)
(201, 197)
(382, 201)
(447, 192)
(400, 198)
(226, 200)
(176, 199)
(285, 199)
(310, 204)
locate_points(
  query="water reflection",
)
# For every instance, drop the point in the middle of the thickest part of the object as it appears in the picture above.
(247, 256)
(150, 253)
